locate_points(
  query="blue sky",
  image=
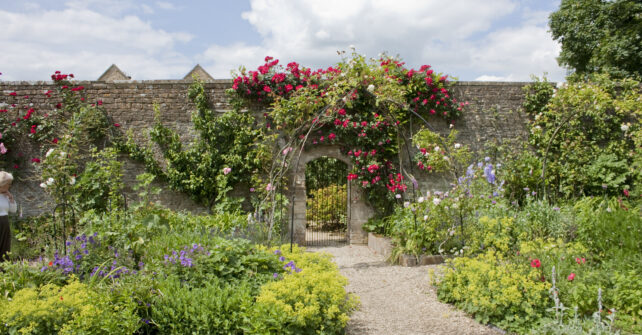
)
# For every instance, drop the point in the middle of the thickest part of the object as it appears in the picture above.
(502, 40)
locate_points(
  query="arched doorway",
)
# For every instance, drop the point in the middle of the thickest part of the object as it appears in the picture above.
(358, 212)
(327, 195)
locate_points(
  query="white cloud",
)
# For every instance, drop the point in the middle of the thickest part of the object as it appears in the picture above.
(455, 37)
(86, 42)
(165, 5)
(516, 53)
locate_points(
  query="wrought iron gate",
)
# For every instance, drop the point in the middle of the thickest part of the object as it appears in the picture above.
(327, 202)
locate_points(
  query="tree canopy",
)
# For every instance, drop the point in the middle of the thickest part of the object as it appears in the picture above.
(599, 35)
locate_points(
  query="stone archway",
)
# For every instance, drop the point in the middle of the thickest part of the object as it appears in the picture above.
(358, 211)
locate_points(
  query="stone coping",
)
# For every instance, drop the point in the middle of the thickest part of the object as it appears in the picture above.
(229, 81)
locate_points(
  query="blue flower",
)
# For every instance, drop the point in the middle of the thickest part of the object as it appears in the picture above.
(277, 252)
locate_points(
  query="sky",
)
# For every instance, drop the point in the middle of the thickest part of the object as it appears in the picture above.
(490, 40)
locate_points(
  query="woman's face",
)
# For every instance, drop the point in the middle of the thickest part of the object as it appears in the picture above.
(5, 187)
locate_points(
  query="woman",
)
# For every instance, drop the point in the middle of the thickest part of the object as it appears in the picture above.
(7, 205)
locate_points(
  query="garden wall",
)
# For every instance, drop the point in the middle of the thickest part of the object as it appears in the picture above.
(494, 114)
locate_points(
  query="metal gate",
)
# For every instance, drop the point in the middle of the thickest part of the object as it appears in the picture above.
(327, 193)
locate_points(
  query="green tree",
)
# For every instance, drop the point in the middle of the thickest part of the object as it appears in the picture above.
(600, 35)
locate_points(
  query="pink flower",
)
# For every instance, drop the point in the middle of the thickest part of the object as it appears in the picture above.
(55, 141)
(3, 150)
(352, 176)
(226, 170)
(267, 89)
(116, 125)
(332, 136)
(536, 263)
(626, 192)
(269, 187)
(35, 160)
(580, 260)
(100, 102)
(13, 94)
(571, 276)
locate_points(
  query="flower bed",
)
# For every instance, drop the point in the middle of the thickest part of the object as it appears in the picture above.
(183, 281)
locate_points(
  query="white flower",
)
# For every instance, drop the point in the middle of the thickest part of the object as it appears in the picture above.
(49, 152)
(406, 204)
(63, 154)
(457, 145)
(72, 180)
(437, 148)
(50, 181)
(451, 126)
(420, 200)
(446, 158)
(371, 88)
(351, 46)
(428, 195)
(43, 185)
(436, 201)
(398, 196)
(425, 217)
(624, 127)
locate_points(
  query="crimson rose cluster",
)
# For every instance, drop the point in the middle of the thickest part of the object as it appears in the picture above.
(362, 116)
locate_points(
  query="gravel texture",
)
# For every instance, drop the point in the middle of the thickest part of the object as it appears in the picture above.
(396, 300)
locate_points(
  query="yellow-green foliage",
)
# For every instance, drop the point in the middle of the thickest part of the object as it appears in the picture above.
(312, 301)
(508, 295)
(71, 309)
(492, 233)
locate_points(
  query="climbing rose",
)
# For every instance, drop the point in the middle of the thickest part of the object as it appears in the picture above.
(626, 192)
(536, 263)
(227, 170)
(3, 150)
(571, 276)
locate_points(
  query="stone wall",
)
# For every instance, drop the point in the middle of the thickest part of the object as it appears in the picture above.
(494, 115)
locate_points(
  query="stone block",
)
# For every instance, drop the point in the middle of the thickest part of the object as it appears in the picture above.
(430, 259)
(407, 260)
(380, 244)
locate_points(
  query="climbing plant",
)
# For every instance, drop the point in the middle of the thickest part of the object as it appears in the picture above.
(364, 106)
(229, 150)
(586, 135)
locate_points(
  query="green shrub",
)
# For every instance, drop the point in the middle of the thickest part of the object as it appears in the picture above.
(71, 309)
(538, 219)
(609, 227)
(214, 308)
(493, 290)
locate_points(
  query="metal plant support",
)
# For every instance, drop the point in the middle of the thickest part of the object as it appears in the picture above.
(63, 224)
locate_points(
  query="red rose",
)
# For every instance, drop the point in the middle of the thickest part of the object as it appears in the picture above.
(571, 276)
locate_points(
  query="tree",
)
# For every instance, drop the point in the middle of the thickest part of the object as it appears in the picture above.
(600, 35)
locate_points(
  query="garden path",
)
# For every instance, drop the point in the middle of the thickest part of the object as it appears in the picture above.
(396, 300)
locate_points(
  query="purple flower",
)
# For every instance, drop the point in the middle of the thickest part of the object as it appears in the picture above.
(282, 259)
(277, 252)
(275, 275)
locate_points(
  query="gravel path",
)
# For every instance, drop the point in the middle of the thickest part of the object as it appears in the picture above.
(396, 300)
